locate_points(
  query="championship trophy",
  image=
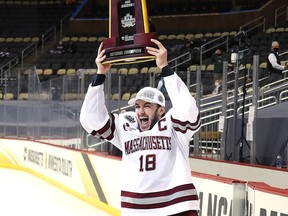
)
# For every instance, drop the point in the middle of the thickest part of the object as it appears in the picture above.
(128, 33)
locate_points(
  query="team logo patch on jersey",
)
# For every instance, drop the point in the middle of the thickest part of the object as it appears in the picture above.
(127, 127)
(130, 118)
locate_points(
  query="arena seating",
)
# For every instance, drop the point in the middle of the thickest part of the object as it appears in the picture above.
(85, 53)
(162, 7)
(87, 43)
(19, 20)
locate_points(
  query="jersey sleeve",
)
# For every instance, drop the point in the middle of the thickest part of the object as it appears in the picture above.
(95, 118)
(185, 115)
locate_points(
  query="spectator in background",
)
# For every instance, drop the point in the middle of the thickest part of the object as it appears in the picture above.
(4, 53)
(189, 44)
(59, 49)
(217, 60)
(274, 64)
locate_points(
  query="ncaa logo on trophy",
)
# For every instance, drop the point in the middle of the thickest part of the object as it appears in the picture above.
(128, 33)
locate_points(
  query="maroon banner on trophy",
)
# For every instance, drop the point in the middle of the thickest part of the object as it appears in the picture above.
(128, 33)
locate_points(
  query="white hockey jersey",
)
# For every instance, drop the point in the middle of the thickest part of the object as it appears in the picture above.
(156, 175)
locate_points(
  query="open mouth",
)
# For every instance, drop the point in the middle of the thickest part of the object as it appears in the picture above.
(144, 123)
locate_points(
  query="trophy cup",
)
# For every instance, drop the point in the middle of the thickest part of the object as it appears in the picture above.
(128, 33)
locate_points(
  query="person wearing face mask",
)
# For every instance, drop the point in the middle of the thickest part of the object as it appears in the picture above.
(156, 175)
(274, 64)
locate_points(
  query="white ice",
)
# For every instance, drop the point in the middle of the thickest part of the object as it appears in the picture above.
(23, 194)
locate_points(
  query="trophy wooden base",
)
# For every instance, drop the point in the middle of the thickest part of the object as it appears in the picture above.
(129, 54)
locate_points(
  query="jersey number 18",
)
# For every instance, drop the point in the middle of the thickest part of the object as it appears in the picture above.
(147, 162)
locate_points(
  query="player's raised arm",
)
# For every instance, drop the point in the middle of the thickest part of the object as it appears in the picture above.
(185, 110)
(101, 69)
(94, 115)
(160, 53)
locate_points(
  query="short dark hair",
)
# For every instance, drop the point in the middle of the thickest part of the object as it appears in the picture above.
(158, 106)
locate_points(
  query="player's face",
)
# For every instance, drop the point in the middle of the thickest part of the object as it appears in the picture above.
(147, 114)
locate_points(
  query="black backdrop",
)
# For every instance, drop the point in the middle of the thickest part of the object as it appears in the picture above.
(271, 133)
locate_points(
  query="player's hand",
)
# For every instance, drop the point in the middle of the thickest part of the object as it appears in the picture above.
(160, 53)
(102, 69)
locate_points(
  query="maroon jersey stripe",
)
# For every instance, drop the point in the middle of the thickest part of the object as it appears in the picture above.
(176, 121)
(109, 126)
(159, 193)
(186, 125)
(159, 205)
(188, 128)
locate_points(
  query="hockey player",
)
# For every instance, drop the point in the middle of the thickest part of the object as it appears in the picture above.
(156, 178)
